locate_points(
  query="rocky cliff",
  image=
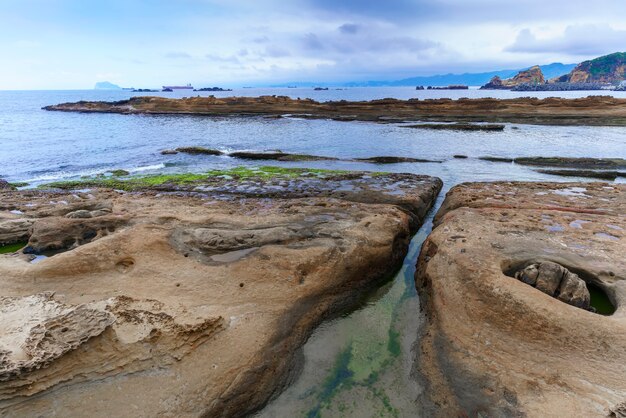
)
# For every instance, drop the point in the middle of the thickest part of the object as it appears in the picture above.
(531, 76)
(609, 69)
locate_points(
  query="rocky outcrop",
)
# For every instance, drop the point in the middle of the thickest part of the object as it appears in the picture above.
(604, 174)
(191, 301)
(597, 110)
(608, 69)
(555, 280)
(505, 279)
(531, 76)
(458, 127)
(570, 162)
(560, 86)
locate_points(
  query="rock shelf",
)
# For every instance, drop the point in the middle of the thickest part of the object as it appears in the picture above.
(494, 345)
(594, 110)
(188, 298)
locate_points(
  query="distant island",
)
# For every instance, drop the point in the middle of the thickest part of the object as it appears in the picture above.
(604, 73)
(105, 85)
(212, 89)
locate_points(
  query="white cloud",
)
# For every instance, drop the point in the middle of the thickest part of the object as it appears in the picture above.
(582, 40)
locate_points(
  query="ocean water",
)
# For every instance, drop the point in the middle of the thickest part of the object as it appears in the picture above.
(38, 146)
(360, 364)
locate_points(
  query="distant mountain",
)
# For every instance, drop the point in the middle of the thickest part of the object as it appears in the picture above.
(606, 69)
(105, 85)
(469, 79)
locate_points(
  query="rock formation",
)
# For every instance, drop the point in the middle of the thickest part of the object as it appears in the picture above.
(555, 280)
(533, 75)
(596, 110)
(608, 69)
(187, 301)
(498, 346)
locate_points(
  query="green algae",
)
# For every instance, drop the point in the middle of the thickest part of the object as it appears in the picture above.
(190, 179)
(600, 301)
(130, 184)
(372, 353)
(11, 248)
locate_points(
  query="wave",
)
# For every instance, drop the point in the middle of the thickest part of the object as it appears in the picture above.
(146, 168)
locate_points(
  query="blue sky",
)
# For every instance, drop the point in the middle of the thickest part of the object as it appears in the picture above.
(59, 44)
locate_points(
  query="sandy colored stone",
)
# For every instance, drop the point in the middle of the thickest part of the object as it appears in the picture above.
(186, 304)
(494, 345)
(595, 110)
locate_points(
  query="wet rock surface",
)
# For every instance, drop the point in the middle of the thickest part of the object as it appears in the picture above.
(189, 301)
(394, 160)
(458, 127)
(569, 162)
(605, 175)
(496, 346)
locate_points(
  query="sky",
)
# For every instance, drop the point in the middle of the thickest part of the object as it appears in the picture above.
(72, 44)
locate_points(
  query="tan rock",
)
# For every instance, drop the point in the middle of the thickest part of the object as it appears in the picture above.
(596, 110)
(184, 305)
(496, 346)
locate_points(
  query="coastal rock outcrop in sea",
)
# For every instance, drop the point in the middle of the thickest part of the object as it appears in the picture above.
(505, 280)
(531, 76)
(191, 298)
(608, 69)
(595, 111)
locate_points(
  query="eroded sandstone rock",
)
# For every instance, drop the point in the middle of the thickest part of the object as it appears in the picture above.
(189, 303)
(495, 346)
(555, 280)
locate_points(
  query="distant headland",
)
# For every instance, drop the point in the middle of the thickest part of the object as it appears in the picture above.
(604, 73)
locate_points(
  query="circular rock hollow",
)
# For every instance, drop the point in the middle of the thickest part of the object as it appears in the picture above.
(125, 265)
(575, 287)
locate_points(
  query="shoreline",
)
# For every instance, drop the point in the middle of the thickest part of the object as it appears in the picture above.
(590, 111)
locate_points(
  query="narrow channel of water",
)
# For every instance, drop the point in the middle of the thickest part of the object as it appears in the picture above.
(360, 365)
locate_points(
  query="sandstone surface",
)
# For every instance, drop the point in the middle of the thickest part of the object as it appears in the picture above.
(187, 301)
(500, 346)
(596, 110)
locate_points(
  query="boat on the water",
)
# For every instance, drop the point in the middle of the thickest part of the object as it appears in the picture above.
(187, 87)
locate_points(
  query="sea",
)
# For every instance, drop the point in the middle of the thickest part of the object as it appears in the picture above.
(357, 365)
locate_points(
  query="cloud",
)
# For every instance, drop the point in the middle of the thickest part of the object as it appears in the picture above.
(220, 58)
(312, 42)
(583, 40)
(261, 39)
(349, 28)
(274, 51)
(363, 39)
(177, 55)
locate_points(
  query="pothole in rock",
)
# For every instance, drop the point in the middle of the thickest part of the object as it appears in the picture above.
(565, 285)
(600, 301)
(37, 256)
(49, 239)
